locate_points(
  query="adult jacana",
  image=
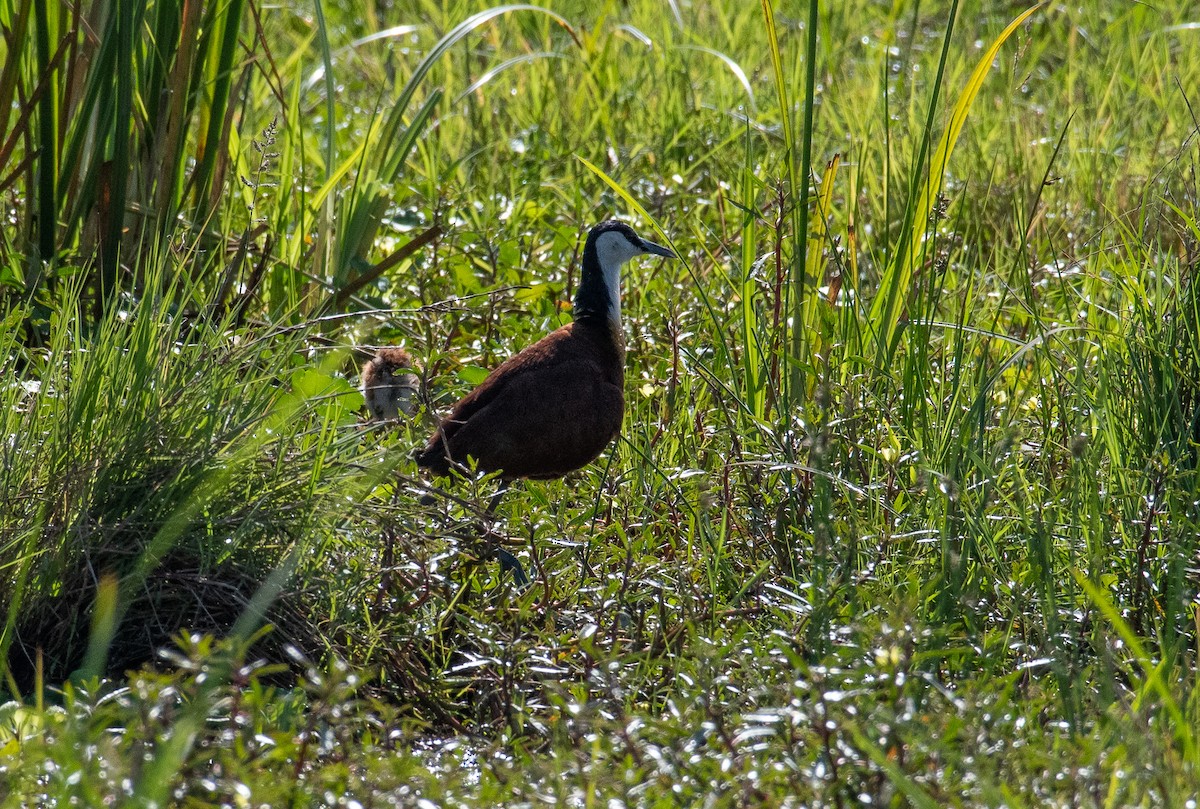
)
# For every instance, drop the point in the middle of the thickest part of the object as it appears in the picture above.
(554, 406)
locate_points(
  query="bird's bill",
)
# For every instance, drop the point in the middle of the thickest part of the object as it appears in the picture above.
(657, 249)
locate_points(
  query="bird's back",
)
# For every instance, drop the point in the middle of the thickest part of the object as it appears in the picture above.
(546, 411)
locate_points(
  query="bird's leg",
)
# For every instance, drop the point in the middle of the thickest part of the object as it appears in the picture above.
(386, 564)
(506, 559)
(586, 556)
(388, 561)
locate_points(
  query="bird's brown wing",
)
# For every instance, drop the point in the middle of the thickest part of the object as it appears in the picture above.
(540, 425)
(547, 352)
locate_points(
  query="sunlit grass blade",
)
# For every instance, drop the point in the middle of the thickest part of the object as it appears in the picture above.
(738, 72)
(104, 626)
(1151, 672)
(463, 29)
(797, 189)
(506, 65)
(225, 21)
(801, 281)
(818, 234)
(894, 285)
(16, 32)
(755, 344)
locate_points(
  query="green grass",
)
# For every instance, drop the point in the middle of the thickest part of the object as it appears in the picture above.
(903, 511)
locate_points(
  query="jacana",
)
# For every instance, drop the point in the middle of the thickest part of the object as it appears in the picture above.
(554, 406)
(389, 385)
(390, 390)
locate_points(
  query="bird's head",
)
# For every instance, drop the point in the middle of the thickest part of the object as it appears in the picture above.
(616, 243)
(609, 245)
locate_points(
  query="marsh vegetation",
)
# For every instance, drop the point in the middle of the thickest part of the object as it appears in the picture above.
(904, 508)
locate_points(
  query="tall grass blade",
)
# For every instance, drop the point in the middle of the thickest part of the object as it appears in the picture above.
(167, 168)
(226, 22)
(894, 286)
(754, 345)
(818, 233)
(794, 181)
(801, 279)
(116, 178)
(47, 135)
(327, 75)
(16, 33)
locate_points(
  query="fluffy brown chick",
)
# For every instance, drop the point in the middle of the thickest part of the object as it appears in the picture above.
(390, 387)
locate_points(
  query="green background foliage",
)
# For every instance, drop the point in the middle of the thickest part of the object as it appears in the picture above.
(904, 508)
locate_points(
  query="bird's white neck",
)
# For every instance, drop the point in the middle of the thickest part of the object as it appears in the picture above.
(612, 283)
(613, 250)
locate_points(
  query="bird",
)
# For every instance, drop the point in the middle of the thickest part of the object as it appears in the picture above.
(389, 386)
(554, 406)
